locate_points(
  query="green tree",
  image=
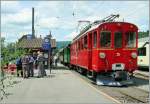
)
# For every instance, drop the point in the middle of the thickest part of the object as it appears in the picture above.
(9, 52)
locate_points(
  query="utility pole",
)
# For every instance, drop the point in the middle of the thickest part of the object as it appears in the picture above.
(49, 52)
(33, 30)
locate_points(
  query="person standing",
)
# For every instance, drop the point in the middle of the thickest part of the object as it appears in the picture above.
(25, 65)
(40, 60)
(55, 60)
(31, 61)
(35, 60)
(19, 67)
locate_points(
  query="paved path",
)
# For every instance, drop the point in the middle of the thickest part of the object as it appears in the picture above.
(62, 87)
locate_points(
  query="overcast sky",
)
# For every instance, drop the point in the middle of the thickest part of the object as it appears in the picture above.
(61, 17)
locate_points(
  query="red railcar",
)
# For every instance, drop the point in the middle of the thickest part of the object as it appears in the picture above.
(109, 47)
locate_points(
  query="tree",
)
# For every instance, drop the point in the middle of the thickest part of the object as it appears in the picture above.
(9, 52)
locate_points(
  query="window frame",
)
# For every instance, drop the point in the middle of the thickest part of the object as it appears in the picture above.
(82, 43)
(142, 53)
(110, 39)
(126, 39)
(122, 39)
(94, 44)
(85, 42)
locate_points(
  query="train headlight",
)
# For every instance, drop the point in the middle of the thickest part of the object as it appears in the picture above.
(102, 55)
(133, 55)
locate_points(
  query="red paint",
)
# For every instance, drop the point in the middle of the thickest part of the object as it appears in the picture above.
(89, 58)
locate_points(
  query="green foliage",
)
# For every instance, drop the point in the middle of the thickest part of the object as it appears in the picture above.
(2, 42)
(143, 34)
(10, 52)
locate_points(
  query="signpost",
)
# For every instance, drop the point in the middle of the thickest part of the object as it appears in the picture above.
(47, 46)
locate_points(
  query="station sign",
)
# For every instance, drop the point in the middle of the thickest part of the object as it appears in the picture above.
(46, 44)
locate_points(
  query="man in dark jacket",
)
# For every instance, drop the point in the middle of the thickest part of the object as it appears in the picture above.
(31, 61)
(19, 67)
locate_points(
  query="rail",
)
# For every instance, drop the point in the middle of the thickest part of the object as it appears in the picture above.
(122, 94)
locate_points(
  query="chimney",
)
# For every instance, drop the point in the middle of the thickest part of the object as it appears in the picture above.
(33, 31)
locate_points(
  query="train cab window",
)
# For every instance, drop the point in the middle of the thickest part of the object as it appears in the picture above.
(105, 39)
(130, 39)
(85, 42)
(118, 39)
(95, 39)
(142, 51)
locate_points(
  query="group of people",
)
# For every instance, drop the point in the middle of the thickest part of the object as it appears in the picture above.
(28, 62)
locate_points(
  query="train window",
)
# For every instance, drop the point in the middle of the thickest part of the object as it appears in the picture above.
(81, 43)
(105, 39)
(76, 46)
(95, 39)
(85, 42)
(118, 39)
(142, 51)
(130, 39)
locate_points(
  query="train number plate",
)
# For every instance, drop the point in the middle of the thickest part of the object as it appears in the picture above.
(118, 66)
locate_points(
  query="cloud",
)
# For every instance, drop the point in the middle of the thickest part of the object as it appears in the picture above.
(71, 35)
(22, 17)
(61, 17)
(10, 37)
(51, 22)
(9, 7)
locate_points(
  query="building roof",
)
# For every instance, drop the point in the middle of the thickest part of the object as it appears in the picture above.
(34, 43)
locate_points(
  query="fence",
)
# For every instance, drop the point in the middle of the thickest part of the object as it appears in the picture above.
(6, 80)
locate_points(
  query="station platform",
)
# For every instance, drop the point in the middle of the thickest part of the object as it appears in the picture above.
(61, 86)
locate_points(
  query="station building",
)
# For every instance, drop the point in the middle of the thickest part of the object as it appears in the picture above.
(34, 44)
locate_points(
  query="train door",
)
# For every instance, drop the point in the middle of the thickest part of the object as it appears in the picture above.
(118, 56)
(118, 36)
(90, 51)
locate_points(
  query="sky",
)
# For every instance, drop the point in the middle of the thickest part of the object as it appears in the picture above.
(61, 17)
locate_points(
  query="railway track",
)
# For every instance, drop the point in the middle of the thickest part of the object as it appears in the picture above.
(126, 95)
(140, 75)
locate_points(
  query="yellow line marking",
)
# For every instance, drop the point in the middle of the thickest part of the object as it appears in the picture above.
(106, 95)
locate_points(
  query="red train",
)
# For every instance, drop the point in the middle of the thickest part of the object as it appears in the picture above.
(106, 48)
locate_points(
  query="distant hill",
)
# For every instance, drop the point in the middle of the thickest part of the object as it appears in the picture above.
(62, 44)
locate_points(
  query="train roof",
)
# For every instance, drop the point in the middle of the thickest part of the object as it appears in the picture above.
(96, 25)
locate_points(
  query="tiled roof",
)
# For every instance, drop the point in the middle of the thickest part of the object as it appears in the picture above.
(34, 43)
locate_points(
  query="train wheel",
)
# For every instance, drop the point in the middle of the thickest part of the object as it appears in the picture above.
(83, 71)
(92, 75)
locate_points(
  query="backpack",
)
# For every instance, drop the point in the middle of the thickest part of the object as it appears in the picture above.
(18, 62)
